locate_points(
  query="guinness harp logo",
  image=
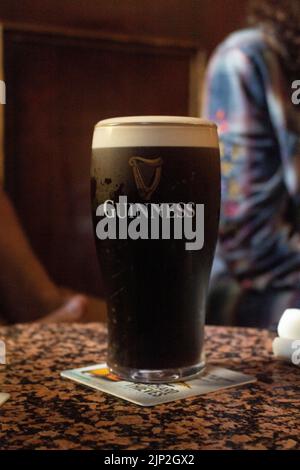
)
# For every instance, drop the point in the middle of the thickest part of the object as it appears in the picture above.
(147, 174)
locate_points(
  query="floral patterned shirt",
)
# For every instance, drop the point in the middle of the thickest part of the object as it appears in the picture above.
(249, 97)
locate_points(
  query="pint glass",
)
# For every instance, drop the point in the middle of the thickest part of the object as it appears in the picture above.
(155, 190)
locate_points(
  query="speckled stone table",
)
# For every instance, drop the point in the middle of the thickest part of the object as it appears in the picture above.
(48, 412)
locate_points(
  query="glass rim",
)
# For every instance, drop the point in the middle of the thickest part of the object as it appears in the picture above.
(176, 121)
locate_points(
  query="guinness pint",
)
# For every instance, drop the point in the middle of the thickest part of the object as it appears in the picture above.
(155, 189)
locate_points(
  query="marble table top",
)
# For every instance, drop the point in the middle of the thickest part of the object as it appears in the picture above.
(48, 412)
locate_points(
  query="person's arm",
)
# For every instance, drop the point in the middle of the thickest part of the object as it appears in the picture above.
(234, 99)
(285, 119)
(250, 99)
(26, 291)
(254, 226)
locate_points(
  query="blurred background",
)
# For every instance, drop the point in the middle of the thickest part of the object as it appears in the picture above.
(67, 64)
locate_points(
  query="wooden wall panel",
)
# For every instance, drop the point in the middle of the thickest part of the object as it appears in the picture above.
(203, 21)
(57, 89)
(2, 103)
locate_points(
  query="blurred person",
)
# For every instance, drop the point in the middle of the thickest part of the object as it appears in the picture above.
(26, 291)
(248, 92)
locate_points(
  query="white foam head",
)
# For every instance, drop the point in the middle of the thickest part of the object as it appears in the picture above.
(155, 131)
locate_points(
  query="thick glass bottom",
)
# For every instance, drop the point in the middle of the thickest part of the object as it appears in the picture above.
(158, 375)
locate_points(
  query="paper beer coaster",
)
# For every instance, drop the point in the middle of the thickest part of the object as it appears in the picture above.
(100, 378)
(3, 397)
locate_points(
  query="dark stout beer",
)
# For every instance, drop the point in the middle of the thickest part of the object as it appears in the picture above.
(156, 287)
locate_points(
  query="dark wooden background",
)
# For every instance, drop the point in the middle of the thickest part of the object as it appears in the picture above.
(69, 64)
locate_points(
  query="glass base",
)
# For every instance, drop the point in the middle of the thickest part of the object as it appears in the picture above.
(158, 375)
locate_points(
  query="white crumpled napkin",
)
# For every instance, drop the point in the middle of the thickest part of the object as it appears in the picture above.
(287, 345)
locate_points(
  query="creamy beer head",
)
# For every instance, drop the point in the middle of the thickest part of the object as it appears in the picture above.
(155, 131)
